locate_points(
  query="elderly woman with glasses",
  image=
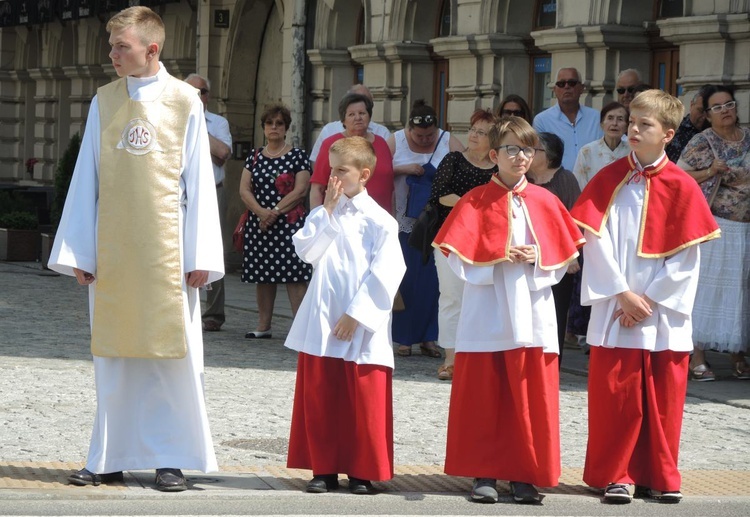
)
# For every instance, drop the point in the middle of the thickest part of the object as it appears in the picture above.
(417, 150)
(273, 188)
(719, 160)
(457, 174)
(355, 111)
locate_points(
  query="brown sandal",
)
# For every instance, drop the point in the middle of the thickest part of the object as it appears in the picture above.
(403, 350)
(430, 349)
(445, 373)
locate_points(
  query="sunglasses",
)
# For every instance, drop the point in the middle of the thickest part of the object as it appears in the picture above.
(629, 89)
(570, 82)
(423, 120)
(204, 91)
(515, 113)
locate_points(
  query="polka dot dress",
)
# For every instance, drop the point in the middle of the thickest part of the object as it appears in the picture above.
(269, 257)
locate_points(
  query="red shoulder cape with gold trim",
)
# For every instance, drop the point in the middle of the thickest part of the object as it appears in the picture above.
(478, 229)
(675, 212)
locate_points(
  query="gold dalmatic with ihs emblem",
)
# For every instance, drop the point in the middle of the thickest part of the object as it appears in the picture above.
(138, 305)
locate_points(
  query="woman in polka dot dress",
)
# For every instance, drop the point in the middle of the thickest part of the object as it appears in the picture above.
(273, 187)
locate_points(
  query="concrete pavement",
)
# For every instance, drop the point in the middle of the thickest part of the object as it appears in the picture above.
(46, 381)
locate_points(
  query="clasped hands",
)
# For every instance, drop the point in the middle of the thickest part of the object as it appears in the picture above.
(268, 218)
(633, 308)
(522, 253)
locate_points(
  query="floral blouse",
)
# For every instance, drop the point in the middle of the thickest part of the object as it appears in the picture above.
(733, 197)
(594, 156)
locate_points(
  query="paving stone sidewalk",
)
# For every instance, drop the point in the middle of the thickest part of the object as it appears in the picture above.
(46, 381)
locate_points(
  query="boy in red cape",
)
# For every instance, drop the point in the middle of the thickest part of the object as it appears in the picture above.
(643, 218)
(510, 241)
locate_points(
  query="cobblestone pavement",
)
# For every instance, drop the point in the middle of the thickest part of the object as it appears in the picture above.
(46, 381)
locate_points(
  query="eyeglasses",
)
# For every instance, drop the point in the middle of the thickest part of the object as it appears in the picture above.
(478, 132)
(274, 123)
(570, 82)
(629, 89)
(515, 113)
(423, 120)
(204, 91)
(720, 107)
(513, 150)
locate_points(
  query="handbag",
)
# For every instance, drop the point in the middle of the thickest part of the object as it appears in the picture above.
(420, 187)
(424, 231)
(239, 232)
(238, 235)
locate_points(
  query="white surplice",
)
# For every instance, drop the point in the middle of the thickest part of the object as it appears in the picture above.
(358, 266)
(150, 413)
(613, 266)
(506, 305)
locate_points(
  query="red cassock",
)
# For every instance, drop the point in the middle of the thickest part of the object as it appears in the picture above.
(636, 397)
(342, 421)
(675, 212)
(504, 419)
(636, 401)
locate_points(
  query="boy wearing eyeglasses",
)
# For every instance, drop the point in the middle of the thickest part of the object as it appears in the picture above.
(643, 217)
(510, 241)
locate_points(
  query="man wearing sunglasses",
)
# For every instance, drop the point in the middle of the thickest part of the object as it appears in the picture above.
(576, 125)
(627, 85)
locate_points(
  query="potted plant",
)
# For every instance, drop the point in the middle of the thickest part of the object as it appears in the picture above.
(19, 233)
(65, 167)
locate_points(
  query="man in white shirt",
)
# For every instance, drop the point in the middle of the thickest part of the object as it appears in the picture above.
(220, 140)
(576, 125)
(336, 126)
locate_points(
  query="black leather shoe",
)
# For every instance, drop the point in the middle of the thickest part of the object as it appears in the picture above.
(170, 480)
(85, 477)
(360, 486)
(323, 483)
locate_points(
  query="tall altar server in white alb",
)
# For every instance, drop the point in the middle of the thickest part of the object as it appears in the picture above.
(141, 224)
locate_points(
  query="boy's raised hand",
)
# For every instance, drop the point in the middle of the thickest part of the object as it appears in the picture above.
(345, 327)
(333, 193)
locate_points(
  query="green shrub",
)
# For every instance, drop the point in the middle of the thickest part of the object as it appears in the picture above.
(64, 175)
(19, 221)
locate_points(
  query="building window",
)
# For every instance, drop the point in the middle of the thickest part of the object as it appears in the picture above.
(541, 96)
(440, 68)
(546, 14)
(359, 39)
(671, 8)
(665, 68)
(444, 28)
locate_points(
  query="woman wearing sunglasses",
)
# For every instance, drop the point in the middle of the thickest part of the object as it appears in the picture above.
(417, 150)
(719, 159)
(514, 106)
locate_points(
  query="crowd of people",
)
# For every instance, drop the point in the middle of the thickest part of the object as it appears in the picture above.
(514, 211)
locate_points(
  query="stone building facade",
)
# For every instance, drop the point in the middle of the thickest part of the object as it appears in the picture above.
(458, 54)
